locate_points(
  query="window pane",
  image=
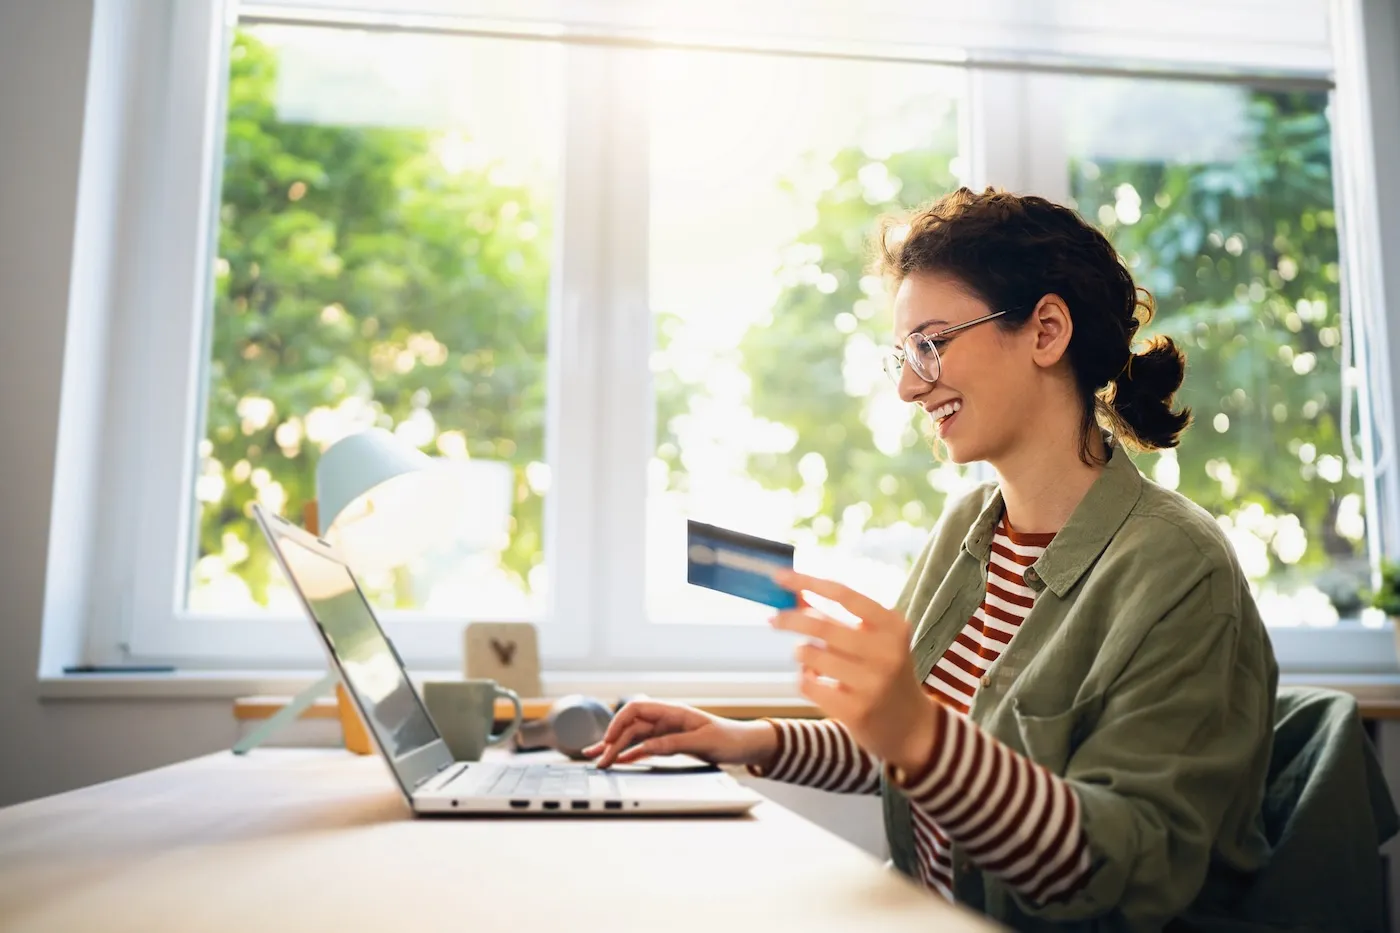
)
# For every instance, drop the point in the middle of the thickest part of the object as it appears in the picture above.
(383, 259)
(1220, 198)
(772, 413)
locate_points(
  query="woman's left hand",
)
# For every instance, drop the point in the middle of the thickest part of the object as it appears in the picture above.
(870, 685)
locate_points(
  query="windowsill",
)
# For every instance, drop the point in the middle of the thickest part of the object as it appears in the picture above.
(228, 685)
(1379, 694)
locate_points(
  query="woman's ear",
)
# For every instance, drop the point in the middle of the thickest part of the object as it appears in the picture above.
(1050, 329)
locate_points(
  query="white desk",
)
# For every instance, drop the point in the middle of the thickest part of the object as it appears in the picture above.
(320, 840)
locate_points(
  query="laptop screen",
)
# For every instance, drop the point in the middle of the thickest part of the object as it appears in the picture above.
(369, 666)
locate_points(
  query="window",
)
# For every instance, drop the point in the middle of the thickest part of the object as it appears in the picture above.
(772, 413)
(1220, 197)
(620, 281)
(383, 259)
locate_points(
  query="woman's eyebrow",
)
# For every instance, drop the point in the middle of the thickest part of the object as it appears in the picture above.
(920, 328)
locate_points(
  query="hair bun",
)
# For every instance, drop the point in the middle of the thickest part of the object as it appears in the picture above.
(1143, 393)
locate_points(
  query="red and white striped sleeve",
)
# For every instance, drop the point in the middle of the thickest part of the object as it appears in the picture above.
(821, 754)
(1012, 817)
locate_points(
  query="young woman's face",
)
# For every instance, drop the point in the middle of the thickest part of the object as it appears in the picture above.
(978, 402)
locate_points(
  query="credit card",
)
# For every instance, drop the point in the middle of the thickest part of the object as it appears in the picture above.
(738, 564)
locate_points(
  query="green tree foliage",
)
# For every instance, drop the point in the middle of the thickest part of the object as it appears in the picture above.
(1242, 257)
(795, 362)
(353, 264)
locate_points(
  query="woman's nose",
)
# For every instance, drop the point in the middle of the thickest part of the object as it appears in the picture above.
(911, 385)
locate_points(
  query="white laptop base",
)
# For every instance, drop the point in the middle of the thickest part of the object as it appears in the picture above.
(575, 788)
(407, 739)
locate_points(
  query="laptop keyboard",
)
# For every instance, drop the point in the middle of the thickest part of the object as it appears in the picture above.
(538, 781)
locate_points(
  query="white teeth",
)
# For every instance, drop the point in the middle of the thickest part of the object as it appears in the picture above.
(943, 411)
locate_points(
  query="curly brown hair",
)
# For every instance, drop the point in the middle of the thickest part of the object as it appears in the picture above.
(1010, 251)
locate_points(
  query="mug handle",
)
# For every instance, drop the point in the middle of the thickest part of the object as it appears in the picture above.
(505, 734)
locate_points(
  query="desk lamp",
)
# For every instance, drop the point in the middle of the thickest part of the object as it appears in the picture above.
(383, 503)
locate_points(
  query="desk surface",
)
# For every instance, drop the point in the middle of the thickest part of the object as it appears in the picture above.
(320, 840)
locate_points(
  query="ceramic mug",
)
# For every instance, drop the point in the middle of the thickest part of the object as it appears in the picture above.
(465, 710)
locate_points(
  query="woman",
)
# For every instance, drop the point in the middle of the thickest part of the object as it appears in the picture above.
(1069, 708)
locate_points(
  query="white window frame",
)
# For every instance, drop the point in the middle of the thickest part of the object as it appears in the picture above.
(600, 424)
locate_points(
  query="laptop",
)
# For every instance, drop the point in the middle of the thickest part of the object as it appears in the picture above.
(405, 736)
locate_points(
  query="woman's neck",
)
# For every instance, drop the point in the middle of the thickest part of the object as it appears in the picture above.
(1044, 484)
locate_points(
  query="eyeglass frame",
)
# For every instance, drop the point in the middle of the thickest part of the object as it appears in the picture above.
(900, 355)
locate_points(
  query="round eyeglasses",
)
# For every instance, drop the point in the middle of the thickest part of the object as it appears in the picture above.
(921, 351)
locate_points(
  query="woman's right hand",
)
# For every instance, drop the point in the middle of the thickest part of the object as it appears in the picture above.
(650, 727)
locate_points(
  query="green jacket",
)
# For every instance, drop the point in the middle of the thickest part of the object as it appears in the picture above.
(1143, 676)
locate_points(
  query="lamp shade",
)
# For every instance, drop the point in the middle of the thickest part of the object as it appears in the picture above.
(381, 501)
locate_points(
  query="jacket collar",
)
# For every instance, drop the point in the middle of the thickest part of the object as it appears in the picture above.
(1078, 544)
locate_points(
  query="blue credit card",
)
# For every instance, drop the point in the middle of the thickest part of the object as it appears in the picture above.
(737, 564)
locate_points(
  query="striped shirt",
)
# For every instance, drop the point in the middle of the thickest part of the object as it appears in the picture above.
(1012, 817)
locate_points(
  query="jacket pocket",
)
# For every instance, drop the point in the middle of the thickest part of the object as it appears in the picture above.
(1051, 740)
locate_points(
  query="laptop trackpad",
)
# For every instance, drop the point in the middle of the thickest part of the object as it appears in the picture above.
(658, 764)
(682, 786)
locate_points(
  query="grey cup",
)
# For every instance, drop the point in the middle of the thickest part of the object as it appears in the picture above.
(464, 711)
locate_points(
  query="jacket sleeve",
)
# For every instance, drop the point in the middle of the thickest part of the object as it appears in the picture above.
(821, 754)
(1179, 733)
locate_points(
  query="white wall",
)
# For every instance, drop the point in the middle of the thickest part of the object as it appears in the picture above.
(52, 746)
(1383, 41)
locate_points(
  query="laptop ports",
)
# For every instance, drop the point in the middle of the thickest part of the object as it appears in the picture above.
(612, 804)
(520, 804)
(578, 805)
(551, 805)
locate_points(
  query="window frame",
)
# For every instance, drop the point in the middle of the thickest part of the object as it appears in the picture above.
(600, 339)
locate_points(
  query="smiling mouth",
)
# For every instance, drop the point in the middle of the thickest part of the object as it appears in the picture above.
(945, 411)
